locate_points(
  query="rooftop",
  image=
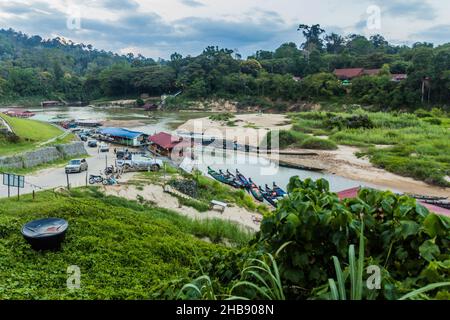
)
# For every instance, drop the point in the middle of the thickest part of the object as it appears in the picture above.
(121, 132)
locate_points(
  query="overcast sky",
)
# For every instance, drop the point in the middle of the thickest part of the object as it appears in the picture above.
(157, 28)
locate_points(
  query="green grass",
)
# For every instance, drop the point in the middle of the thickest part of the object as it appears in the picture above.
(296, 139)
(208, 189)
(31, 133)
(125, 250)
(417, 147)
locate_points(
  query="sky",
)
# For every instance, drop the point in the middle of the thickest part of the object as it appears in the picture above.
(157, 28)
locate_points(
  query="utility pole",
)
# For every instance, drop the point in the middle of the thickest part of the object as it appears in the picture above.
(68, 184)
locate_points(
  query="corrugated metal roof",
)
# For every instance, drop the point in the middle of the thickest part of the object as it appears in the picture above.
(121, 132)
(349, 72)
(168, 141)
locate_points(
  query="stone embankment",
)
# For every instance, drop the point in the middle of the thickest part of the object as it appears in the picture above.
(44, 155)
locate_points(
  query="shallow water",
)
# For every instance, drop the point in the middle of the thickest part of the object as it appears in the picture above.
(263, 171)
(260, 169)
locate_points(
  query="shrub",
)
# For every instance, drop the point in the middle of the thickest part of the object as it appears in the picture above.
(434, 121)
(222, 117)
(318, 144)
(312, 225)
(140, 102)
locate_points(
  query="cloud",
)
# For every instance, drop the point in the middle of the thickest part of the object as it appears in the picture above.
(192, 3)
(121, 25)
(414, 9)
(435, 34)
(120, 4)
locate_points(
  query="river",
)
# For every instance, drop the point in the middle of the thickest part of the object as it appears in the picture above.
(261, 170)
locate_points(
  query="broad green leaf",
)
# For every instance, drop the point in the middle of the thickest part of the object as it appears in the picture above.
(429, 250)
(409, 228)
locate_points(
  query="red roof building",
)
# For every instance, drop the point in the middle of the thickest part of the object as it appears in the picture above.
(164, 143)
(353, 193)
(348, 74)
(372, 72)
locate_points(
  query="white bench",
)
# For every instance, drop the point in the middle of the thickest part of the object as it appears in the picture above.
(215, 203)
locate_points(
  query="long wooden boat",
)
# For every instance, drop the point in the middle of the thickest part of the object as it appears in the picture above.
(254, 190)
(242, 179)
(269, 197)
(437, 203)
(216, 175)
(273, 193)
(280, 192)
(428, 198)
(231, 180)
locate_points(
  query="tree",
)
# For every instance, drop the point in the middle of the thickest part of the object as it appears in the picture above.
(378, 41)
(312, 35)
(251, 66)
(335, 43)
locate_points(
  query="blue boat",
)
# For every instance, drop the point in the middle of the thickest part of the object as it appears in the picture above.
(280, 192)
(242, 179)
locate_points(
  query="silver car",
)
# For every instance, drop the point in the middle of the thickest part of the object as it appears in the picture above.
(76, 166)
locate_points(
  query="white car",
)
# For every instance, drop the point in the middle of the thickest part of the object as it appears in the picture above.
(138, 162)
(104, 147)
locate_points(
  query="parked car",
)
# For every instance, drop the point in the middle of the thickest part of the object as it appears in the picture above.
(104, 147)
(92, 143)
(76, 166)
(140, 163)
(83, 137)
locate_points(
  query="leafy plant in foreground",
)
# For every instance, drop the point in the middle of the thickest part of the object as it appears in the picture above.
(402, 236)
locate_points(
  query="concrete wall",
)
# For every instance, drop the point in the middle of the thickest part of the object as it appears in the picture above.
(44, 155)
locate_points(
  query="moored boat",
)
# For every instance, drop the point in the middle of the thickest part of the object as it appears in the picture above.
(216, 175)
(273, 193)
(254, 190)
(231, 180)
(269, 197)
(280, 192)
(242, 179)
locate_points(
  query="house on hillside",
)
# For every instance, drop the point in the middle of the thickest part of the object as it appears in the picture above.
(348, 74)
(372, 72)
(168, 145)
(19, 113)
(125, 137)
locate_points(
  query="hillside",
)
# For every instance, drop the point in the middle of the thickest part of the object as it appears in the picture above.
(125, 250)
(34, 68)
(28, 135)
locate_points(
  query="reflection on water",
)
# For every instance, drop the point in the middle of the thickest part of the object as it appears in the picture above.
(263, 171)
(147, 122)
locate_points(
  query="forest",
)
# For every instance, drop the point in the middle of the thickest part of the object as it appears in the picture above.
(31, 66)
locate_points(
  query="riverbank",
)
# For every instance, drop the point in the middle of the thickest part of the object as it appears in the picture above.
(341, 162)
(250, 129)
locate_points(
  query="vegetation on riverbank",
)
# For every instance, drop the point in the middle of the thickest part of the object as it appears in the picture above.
(133, 250)
(413, 145)
(125, 250)
(201, 188)
(311, 226)
(28, 134)
(60, 69)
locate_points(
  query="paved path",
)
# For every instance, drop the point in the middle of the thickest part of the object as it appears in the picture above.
(56, 177)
